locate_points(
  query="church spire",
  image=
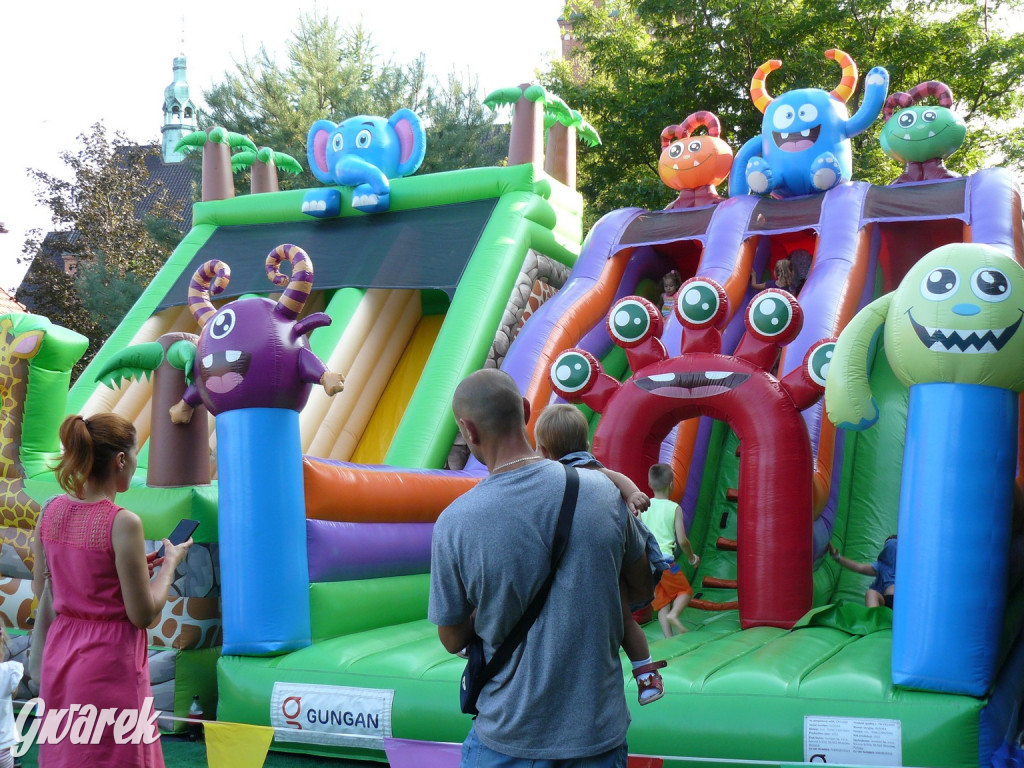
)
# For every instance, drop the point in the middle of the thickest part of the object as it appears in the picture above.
(179, 112)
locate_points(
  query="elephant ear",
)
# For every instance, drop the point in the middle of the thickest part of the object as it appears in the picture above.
(411, 138)
(316, 150)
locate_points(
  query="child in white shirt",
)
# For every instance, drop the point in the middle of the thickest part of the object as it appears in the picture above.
(10, 677)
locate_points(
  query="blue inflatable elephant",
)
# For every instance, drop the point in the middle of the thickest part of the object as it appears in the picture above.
(363, 152)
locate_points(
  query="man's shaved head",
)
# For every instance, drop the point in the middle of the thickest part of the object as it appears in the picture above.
(490, 399)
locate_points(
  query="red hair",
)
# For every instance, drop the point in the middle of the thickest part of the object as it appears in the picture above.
(90, 446)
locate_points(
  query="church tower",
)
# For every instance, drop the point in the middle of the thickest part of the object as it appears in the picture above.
(179, 113)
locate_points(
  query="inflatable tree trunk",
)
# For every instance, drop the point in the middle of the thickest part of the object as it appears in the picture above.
(560, 157)
(218, 183)
(179, 454)
(263, 177)
(525, 144)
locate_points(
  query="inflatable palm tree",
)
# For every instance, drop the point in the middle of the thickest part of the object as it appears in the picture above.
(264, 164)
(535, 108)
(217, 144)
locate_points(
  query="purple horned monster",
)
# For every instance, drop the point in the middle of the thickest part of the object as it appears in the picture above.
(253, 353)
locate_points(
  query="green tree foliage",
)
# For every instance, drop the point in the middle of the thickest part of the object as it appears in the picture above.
(646, 64)
(334, 73)
(462, 133)
(103, 251)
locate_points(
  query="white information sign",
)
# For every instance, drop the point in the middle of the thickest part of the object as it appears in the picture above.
(852, 741)
(331, 714)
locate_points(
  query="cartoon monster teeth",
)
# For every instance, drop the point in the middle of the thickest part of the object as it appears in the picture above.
(950, 335)
(739, 389)
(692, 384)
(253, 352)
(921, 136)
(694, 164)
(805, 131)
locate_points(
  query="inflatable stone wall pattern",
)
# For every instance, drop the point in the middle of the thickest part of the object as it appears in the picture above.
(11, 563)
(15, 602)
(161, 678)
(191, 617)
(199, 574)
(539, 280)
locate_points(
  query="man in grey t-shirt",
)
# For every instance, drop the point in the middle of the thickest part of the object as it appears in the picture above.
(560, 697)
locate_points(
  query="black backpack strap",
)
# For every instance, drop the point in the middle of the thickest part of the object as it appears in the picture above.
(518, 633)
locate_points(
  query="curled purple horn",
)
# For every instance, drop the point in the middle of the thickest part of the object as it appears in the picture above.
(300, 285)
(897, 100)
(200, 290)
(934, 88)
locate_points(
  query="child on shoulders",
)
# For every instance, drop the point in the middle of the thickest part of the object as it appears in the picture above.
(562, 434)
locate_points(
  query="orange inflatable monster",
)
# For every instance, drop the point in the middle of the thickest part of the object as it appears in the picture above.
(694, 164)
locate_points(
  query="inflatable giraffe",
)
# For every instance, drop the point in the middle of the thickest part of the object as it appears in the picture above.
(18, 511)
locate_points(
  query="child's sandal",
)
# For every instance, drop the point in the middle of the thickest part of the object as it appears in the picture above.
(652, 682)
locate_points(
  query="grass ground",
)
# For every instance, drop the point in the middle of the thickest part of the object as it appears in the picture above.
(179, 752)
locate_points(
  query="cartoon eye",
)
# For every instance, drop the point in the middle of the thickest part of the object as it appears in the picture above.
(906, 119)
(774, 316)
(701, 304)
(818, 359)
(929, 115)
(940, 283)
(337, 142)
(574, 373)
(990, 284)
(363, 139)
(632, 321)
(783, 118)
(808, 113)
(223, 324)
(694, 146)
(675, 150)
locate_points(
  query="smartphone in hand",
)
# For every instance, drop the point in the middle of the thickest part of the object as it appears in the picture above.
(181, 533)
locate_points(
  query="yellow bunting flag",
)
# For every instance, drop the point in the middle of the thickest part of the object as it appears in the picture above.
(237, 745)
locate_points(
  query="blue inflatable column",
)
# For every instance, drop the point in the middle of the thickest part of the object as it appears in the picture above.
(956, 502)
(262, 526)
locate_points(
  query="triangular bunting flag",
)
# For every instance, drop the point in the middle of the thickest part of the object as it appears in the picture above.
(237, 745)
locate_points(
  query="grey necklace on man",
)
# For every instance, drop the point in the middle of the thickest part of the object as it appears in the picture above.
(514, 461)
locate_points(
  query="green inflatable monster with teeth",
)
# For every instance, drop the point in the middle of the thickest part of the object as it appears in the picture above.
(955, 317)
(952, 334)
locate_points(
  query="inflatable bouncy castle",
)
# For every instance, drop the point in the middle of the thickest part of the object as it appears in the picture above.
(318, 504)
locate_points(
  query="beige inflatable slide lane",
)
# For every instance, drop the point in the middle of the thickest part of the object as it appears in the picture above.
(367, 355)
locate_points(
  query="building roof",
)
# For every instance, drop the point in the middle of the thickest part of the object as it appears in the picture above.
(176, 178)
(9, 304)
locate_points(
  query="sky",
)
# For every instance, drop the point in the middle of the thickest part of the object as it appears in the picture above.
(68, 64)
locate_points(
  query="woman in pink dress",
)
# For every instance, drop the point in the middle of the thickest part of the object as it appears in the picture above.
(95, 651)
